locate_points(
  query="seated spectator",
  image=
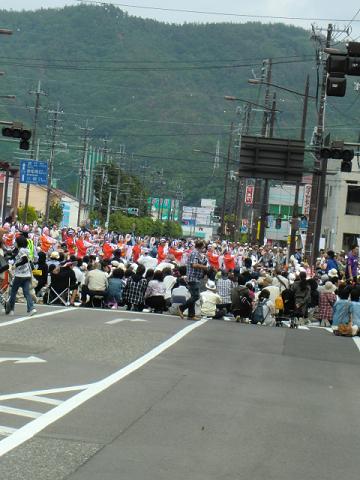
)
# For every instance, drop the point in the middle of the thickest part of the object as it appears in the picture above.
(169, 283)
(115, 288)
(134, 290)
(355, 306)
(41, 272)
(155, 293)
(268, 309)
(341, 309)
(210, 301)
(241, 303)
(179, 296)
(96, 283)
(326, 301)
(273, 290)
(61, 279)
(224, 286)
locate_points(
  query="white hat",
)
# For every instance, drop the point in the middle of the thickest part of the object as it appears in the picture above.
(210, 285)
(333, 273)
(115, 263)
(55, 255)
(330, 287)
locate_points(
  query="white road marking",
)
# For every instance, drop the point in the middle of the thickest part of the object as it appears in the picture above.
(6, 430)
(12, 396)
(40, 315)
(118, 320)
(302, 327)
(19, 411)
(37, 398)
(357, 342)
(32, 428)
(30, 359)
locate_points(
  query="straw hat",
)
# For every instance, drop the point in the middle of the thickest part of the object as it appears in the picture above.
(330, 287)
(210, 285)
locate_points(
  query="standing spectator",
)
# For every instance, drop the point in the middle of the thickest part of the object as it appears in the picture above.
(327, 300)
(196, 267)
(22, 277)
(352, 263)
(331, 262)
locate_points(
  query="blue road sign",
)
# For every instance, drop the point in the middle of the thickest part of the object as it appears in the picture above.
(34, 172)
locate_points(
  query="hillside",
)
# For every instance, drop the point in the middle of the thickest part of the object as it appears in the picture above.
(156, 88)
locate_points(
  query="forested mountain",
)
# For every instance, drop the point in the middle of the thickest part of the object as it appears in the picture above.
(156, 88)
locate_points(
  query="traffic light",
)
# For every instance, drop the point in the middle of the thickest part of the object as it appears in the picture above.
(339, 152)
(18, 132)
(278, 223)
(338, 66)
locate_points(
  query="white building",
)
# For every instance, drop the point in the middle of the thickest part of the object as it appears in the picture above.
(341, 217)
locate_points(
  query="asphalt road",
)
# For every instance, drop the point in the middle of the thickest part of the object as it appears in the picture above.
(88, 395)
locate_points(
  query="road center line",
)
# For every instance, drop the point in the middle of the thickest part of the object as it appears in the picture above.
(40, 315)
(32, 428)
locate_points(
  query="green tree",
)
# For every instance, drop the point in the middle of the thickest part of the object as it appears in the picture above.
(56, 213)
(32, 215)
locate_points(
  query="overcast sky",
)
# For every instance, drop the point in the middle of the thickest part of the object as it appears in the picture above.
(291, 8)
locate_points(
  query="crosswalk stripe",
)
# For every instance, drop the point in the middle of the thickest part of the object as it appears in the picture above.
(6, 430)
(19, 411)
(37, 398)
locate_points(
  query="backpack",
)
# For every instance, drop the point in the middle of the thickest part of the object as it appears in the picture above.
(258, 313)
(279, 303)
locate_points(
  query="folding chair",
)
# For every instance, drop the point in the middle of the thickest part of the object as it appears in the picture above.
(53, 296)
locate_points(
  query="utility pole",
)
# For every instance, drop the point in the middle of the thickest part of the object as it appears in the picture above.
(82, 168)
(54, 131)
(38, 93)
(226, 180)
(319, 176)
(258, 201)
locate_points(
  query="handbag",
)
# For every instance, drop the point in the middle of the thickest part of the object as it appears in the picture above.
(345, 329)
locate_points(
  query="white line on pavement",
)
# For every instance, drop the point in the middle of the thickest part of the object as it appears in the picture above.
(12, 396)
(40, 315)
(19, 411)
(6, 430)
(118, 320)
(37, 398)
(32, 428)
(357, 342)
(301, 327)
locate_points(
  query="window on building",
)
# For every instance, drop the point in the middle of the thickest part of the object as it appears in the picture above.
(353, 200)
(349, 239)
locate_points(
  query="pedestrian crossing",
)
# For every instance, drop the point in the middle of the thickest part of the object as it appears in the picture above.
(36, 404)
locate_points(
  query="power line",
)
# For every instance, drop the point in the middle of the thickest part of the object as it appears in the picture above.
(49, 66)
(202, 12)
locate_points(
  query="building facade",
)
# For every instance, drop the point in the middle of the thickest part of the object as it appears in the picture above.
(341, 216)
